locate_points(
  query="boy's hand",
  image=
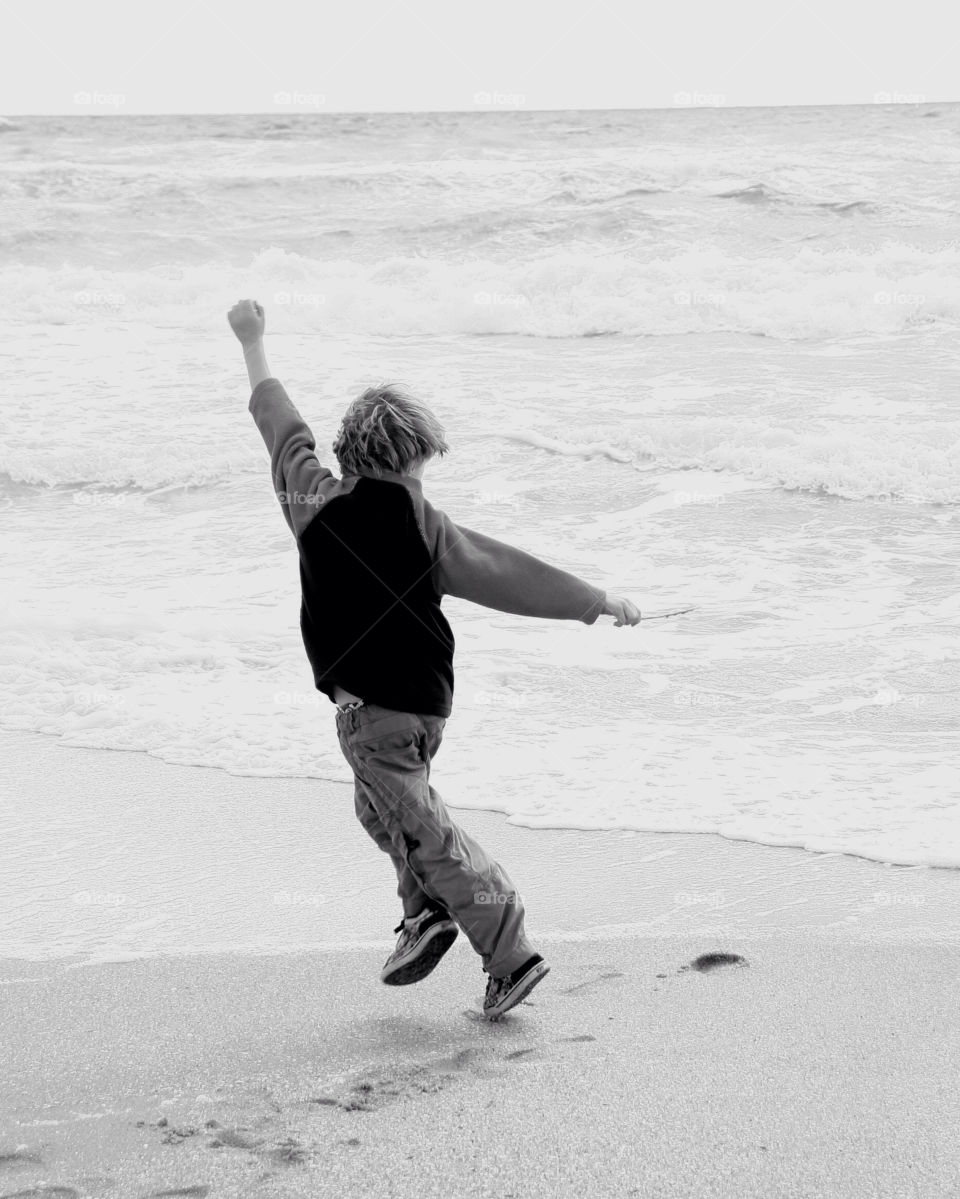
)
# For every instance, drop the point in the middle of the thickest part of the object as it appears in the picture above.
(248, 321)
(624, 611)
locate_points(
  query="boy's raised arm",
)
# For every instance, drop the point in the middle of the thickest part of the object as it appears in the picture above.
(300, 482)
(248, 320)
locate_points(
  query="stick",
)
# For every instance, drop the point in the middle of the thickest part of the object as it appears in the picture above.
(663, 615)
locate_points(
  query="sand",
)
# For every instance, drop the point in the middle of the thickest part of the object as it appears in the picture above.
(823, 1063)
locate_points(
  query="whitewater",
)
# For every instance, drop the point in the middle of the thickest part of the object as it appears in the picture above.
(695, 357)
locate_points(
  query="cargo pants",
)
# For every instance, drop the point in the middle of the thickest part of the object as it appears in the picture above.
(437, 863)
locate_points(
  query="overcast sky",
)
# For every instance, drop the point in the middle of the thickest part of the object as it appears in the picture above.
(394, 55)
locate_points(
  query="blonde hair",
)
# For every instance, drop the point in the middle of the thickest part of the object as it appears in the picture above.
(386, 429)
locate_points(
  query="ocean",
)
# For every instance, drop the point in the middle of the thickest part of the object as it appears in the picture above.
(694, 356)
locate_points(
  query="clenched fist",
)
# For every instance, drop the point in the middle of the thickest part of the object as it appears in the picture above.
(248, 321)
(624, 611)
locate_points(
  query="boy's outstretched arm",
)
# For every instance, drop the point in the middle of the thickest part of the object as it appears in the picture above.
(475, 567)
(300, 482)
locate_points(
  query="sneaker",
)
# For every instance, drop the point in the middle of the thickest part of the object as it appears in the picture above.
(423, 942)
(505, 993)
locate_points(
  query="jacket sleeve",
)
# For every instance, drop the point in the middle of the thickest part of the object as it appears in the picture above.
(485, 571)
(300, 482)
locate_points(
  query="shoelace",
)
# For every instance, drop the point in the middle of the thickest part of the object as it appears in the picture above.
(403, 924)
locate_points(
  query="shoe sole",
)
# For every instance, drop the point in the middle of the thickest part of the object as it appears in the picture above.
(520, 991)
(425, 955)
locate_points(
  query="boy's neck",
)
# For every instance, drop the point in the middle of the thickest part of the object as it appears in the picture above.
(393, 476)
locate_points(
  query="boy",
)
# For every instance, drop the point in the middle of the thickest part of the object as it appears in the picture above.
(375, 560)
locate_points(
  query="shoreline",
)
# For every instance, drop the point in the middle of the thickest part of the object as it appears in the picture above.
(243, 864)
(822, 1063)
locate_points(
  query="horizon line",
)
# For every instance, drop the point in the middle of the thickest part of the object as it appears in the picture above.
(475, 110)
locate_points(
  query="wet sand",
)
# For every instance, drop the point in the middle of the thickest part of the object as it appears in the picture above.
(821, 1060)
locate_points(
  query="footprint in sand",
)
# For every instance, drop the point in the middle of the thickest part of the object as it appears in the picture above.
(382, 1087)
(375, 1087)
(710, 961)
(44, 1193)
(20, 1157)
(186, 1192)
(288, 1153)
(461, 1060)
(466, 1060)
(175, 1136)
(233, 1138)
(517, 1054)
(591, 981)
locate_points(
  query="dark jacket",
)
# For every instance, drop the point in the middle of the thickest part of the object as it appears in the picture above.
(375, 560)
